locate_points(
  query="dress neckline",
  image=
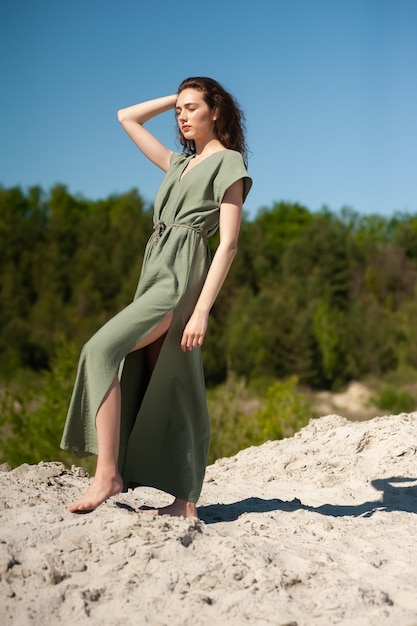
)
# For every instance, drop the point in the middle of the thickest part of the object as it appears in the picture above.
(184, 172)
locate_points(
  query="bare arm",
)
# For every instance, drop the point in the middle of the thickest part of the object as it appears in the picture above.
(230, 218)
(133, 118)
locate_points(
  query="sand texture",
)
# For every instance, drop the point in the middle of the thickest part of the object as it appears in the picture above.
(316, 529)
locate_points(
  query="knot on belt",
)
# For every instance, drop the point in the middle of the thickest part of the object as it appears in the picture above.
(160, 228)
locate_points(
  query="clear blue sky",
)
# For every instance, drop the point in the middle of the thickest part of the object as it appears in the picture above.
(329, 88)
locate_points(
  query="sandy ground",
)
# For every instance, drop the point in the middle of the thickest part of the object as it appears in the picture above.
(317, 529)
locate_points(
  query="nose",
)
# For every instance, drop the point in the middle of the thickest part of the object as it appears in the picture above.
(182, 117)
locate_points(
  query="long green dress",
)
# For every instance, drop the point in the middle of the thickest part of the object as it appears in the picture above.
(165, 428)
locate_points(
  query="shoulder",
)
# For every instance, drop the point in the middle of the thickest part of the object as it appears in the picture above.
(232, 169)
(232, 156)
(177, 159)
(232, 161)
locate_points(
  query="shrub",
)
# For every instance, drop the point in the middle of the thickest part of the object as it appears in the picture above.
(391, 399)
(32, 419)
(237, 421)
(285, 410)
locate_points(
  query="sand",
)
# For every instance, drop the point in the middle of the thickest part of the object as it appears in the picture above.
(316, 529)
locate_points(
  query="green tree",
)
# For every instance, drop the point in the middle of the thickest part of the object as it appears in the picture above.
(327, 336)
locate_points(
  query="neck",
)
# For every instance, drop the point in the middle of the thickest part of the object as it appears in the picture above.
(208, 147)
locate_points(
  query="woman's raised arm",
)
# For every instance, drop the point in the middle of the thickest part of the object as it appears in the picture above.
(133, 118)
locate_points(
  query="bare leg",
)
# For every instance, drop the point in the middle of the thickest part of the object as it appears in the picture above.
(107, 481)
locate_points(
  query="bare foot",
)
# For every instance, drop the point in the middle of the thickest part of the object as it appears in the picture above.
(179, 508)
(97, 493)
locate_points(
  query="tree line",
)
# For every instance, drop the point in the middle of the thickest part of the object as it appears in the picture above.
(326, 297)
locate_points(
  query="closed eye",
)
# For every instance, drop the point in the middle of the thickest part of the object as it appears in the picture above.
(189, 107)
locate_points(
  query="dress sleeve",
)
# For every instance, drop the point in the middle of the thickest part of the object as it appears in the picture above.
(176, 158)
(231, 170)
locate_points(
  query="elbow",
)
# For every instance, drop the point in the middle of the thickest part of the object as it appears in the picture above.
(231, 249)
(121, 115)
(126, 118)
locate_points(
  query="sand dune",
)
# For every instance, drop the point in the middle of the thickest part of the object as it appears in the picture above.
(316, 529)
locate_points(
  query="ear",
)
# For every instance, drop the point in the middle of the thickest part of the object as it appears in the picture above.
(215, 114)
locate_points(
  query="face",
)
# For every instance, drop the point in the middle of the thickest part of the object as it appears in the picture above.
(195, 118)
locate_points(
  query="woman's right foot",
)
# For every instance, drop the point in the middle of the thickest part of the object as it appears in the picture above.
(98, 492)
(179, 508)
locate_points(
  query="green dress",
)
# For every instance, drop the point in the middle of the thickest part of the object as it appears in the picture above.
(165, 428)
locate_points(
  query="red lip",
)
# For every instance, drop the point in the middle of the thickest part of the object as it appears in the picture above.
(185, 127)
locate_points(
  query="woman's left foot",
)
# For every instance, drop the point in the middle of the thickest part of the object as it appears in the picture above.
(97, 493)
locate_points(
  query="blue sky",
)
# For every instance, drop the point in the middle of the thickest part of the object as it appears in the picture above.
(329, 88)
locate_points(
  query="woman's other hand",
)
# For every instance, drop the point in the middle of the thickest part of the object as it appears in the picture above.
(194, 332)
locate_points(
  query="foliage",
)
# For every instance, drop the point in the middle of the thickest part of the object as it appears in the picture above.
(230, 405)
(322, 296)
(395, 400)
(67, 265)
(32, 418)
(32, 421)
(237, 420)
(285, 410)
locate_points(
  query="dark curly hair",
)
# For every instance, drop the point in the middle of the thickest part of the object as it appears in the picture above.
(230, 123)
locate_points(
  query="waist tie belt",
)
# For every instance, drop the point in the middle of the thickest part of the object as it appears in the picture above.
(160, 227)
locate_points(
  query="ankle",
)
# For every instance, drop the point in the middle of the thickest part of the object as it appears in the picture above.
(107, 474)
(189, 508)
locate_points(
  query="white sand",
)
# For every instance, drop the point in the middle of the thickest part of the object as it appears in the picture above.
(317, 529)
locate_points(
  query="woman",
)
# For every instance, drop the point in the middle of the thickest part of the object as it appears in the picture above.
(139, 398)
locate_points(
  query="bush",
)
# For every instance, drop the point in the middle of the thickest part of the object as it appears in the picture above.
(237, 422)
(285, 410)
(396, 401)
(32, 420)
(230, 406)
